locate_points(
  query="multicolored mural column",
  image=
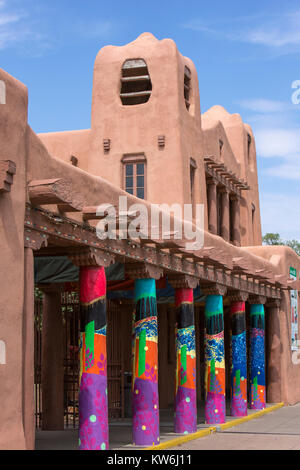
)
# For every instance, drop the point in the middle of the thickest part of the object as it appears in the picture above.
(238, 359)
(215, 411)
(145, 365)
(93, 418)
(257, 357)
(185, 397)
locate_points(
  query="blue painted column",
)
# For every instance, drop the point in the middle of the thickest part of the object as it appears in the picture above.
(214, 360)
(257, 357)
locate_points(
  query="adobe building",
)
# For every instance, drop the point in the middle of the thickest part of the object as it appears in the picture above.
(211, 324)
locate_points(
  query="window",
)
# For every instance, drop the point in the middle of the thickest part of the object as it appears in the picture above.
(253, 217)
(248, 145)
(187, 86)
(219, 212)
(231, 220)
(136, 84)
(221, 146)
(135, 175)
(193, 167)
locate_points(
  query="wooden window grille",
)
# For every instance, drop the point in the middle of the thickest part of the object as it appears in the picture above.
(136, 84)
(187, 86)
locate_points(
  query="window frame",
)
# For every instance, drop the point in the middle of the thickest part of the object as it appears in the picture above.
(134, 159)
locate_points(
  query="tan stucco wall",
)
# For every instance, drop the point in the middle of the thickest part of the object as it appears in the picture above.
(13, 130)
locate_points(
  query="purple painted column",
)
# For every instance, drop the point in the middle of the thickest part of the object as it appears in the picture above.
(145, 402)
(93, 409)
(185, 398)
(238, 390)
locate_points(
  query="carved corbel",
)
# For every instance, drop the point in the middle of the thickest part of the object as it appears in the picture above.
(143, 271)
(183, 281)
(238, 296)
(257, 299)
(7, 171)
(214, 289)
(92, 257)
(273, 303)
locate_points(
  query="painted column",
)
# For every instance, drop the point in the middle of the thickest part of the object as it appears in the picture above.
(93, 410)
(185, 397)
(145, 405)
(238, 359)
(214, 360)
(257, 357)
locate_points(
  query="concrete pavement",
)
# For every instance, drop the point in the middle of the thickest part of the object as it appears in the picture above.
(278, 430)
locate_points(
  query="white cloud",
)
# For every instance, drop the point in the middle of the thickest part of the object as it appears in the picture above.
(12, 29)
(277, 142)
(289, 168)
(280, 213)
(261, 105)
(276, 31)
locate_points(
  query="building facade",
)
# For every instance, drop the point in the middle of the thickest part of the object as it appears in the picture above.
(149, 142)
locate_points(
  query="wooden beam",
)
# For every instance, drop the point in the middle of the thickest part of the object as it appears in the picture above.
(55, 191)
(51, 191)
(7, 170)
(77, 235)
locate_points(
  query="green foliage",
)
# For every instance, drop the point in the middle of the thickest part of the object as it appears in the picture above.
(274, 239)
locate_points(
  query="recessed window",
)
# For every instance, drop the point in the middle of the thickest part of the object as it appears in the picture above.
(249, 140)
(135, 175)
(136, 84)
(187, 86)
(231, 220)
(221, 143)
(193, 167)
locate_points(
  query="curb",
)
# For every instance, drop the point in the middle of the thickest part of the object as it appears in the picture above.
(212, 429)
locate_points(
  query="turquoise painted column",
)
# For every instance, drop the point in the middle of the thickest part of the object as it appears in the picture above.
(145, 365)
(215, 409)
(257, 357)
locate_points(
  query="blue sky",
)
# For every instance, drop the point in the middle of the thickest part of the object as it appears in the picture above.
(247, 55)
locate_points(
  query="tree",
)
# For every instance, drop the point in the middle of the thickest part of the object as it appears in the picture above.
(274, 239)
(295, 245)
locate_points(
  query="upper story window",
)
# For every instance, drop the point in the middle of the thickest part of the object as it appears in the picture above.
(193, 167)
(249, 140)
(136, 84)
(187, 86)
(221, 143)
(134, 175)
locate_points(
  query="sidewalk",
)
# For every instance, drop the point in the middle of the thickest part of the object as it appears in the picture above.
(278, 430)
